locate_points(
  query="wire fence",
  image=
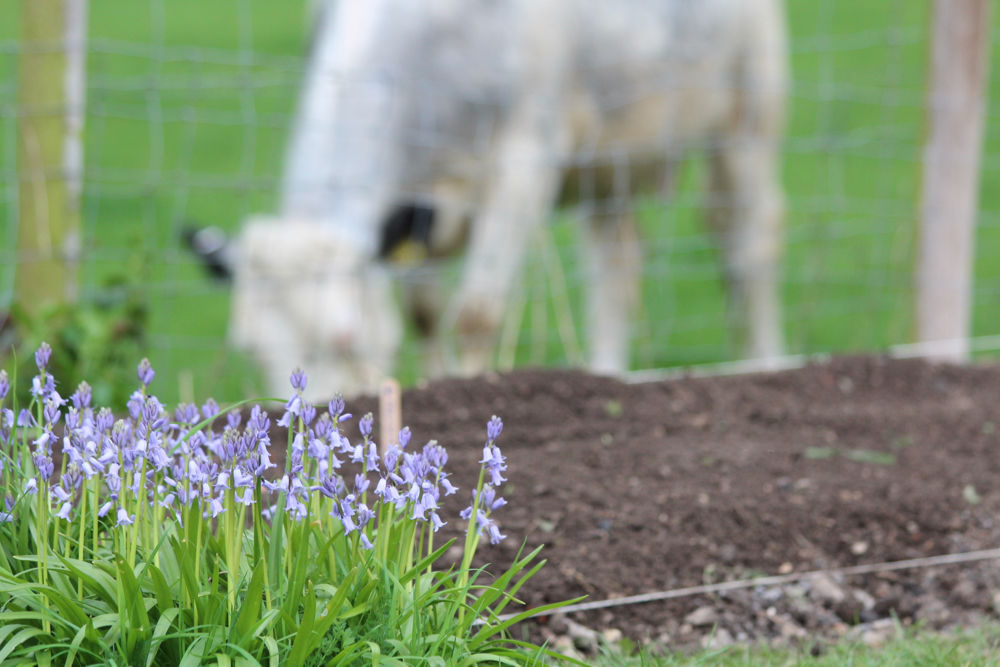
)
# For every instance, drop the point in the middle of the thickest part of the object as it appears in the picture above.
(188, 110)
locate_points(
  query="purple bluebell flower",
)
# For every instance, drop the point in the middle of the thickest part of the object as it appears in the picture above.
(494, 532)
(365, 425)
(42, 356)
(281, 486)
(336, 406)
(104, 420)
(4, 384)
(293, 408)
(51, 412)
(247, 497)
(210, 408)
(145, 372)
(308, 414)
(215, 506)
(64, 510)
(494, 428)
(404, 437)
(72, 419)
(298, 380)
(364, 515)
(490, 499)
(31, 486)
(366, 543)
(105, 508)
(495, 463)
(25, 419)
(124, 518)
(81, 397)
(446, 484)
(186, 413)
(361, 483)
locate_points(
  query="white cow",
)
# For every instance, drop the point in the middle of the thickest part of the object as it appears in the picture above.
(460, 124)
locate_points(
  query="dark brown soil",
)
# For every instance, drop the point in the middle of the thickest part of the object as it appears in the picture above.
(647, 487)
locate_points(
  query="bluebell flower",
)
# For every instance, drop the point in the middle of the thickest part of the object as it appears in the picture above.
(81, 397)
(210, 408)
(495, 463)
(404, 437)
(298, 380)
(308, 414)
(64, 511)
(494, 428)
(364, 515)
(145, 372)
(104, 420)
(490, 499)
(42, 356)
(124, 518)
(293, 408)
(361, 483)
(365, 425)
(25, 419)
(366, 543)
(449, 489)
(4, 384)
(336, 406)
(215, 506)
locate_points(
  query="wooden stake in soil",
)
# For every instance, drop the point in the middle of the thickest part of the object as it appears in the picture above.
(390, 412)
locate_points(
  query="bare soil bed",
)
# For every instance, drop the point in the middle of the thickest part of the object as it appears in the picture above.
(648, 487)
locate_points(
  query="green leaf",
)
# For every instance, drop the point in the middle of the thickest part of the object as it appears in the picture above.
(870, 456)
(304, 635)
(19, 638)
(272, 650)
(163, 625)
(135, 624)
(94, 578)
(249, 613)
(820, 452)
(193, 656)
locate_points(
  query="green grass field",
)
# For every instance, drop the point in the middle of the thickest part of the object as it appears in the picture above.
(188, 106)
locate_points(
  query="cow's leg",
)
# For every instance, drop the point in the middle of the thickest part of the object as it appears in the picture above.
(424, 301)
(746, 203)
(611, 251)
(518, 199)
(745, 213)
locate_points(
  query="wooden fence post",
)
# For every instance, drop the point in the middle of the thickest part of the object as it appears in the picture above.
(956, 107)
(51, 84)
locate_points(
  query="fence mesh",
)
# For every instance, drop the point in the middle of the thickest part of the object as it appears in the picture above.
(188, 110)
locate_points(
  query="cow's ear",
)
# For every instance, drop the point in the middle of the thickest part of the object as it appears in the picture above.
(406, 234)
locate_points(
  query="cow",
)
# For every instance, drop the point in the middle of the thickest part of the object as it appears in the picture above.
(430, 127)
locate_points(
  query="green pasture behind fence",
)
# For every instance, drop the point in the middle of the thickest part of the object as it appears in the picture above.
(188, 109)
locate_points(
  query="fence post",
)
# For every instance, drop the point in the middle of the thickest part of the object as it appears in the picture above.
(949, 202)
(51, 85)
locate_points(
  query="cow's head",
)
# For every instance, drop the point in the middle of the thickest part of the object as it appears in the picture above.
(303, 295)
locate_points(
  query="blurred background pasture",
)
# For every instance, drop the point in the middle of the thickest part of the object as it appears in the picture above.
(189, 104)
